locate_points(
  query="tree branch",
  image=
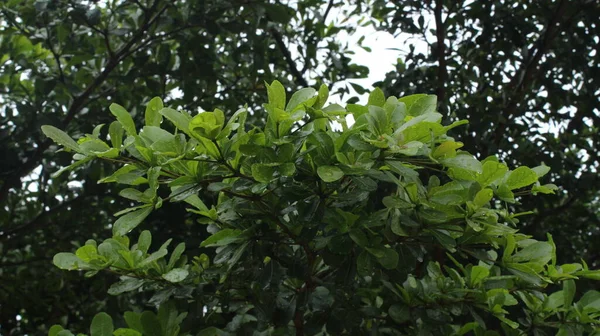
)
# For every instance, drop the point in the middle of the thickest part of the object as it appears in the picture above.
(440, 32)
(528, 67)
(288, 58)
(36, 221)
(79, 102)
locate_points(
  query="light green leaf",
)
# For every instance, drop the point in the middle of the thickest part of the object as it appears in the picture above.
(153, 257)
(418, 104)
(300, 97)
(102, 325)
(60, 137)
(152, 115)
(569, 292)
(521, 177)
(87, 253)
(322, 96)
(276, 94)
(483, 197)
(544, 189)
(492, 171)
(131, 220)
(478, 274)
(263, 172)
(133, 194)
(127, 332)
(69, 261)
(54, 330)
(124, 118)
(223, 237)
(181, 120)
(144, 241)
(541, 170)
(377, 98)
(590, 299)
(115, 131)
(176, 254)
(464, 161)
(538, 252)
(176, 275)
(330, 173)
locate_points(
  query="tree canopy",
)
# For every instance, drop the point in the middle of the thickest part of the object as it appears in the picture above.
(521, 73)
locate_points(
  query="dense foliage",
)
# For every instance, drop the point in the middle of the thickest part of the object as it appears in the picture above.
(382, 227)
(63, 62)
(525, 75)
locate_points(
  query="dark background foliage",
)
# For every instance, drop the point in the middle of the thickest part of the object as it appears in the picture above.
(510, 67)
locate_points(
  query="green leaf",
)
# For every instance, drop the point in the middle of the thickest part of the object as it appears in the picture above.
(263, 172)
(131, 220)
(538, 252)
(176, 275)
(144, 241)
(153, 257)
(87, 253)
(464, 161)
(124, 118)
(492, 171)
(127, 332)
(223, 237)
(521, 177)
(483, 197)
(390, 258)
(568, 292)
(60, 137)
(322, 96)
(125, 285)
(150, 324)
(152, 115)
(68, 261)
(181, 120)
(419, 104)
(399, 313)
(54, 330)
(330, 173)
(377, 98)
(102, 325)
(300, 97)
(541, 170)
(115, 131)
(276, 94)
(478, 274)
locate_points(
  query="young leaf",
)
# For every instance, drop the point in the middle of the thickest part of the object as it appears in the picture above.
(521, 177)
(377, 98)
(60, 137)
(276, 94)
(483, 197)
(152, 115)
(124, 118)
(299, 97)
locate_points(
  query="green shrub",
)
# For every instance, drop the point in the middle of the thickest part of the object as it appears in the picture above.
(315, 227)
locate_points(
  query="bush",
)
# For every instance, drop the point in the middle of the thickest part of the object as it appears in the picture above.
(383, 227)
